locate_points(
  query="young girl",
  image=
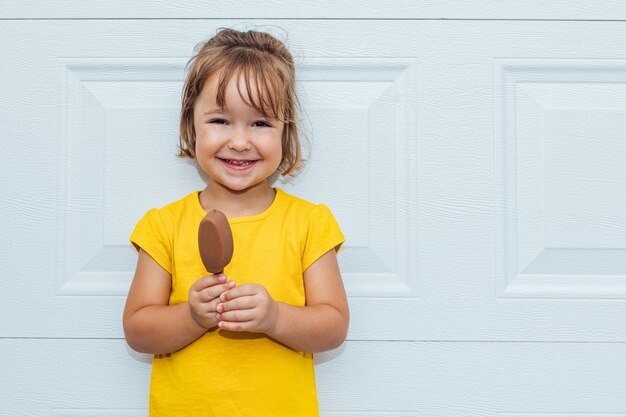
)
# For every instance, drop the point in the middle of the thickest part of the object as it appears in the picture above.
(239, 343)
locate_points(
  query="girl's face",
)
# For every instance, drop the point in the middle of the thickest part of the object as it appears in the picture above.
(236, 146)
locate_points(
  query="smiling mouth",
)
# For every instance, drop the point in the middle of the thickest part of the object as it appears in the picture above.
(238, 163)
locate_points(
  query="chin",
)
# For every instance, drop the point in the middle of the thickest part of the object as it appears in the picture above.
(238, 188)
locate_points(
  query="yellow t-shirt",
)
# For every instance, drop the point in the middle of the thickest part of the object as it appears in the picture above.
(227, 373)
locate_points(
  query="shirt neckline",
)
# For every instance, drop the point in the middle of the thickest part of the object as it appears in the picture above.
(242, 219)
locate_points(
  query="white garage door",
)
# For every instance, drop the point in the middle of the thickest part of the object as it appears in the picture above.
(475, 164)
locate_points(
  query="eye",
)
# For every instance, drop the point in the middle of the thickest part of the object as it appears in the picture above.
(261, 123)
(218, 121)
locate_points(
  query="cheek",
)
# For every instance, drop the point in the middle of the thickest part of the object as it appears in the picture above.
(200, 144)
(274, 150)
(205, 151)
(207, 140)
(279, 145)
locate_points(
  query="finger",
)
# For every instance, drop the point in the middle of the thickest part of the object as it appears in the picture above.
(237, 326)
(241, 303)
(240, 291)
(208, 281)
(236, 316)
(211, 293)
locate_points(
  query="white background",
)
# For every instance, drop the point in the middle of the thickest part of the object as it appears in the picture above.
(473, 153)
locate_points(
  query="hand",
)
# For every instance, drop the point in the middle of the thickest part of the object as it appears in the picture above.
(247, 308)
(204, 297)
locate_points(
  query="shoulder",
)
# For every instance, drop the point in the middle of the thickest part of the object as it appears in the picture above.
(169, 215)
(317, 228)
(297, 204)
(188, 203)
(156, 230)
(182, 204)
(303, 210)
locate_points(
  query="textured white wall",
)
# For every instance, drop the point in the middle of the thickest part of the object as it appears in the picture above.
(474, 163)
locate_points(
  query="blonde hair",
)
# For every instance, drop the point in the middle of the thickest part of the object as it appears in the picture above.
(255, 56)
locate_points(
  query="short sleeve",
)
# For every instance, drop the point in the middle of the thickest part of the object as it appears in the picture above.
(151, 235)
(323, 234)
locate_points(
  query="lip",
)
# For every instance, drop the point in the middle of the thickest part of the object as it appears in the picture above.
(235, 166)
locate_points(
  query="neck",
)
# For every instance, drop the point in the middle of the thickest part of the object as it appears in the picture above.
(233, 203)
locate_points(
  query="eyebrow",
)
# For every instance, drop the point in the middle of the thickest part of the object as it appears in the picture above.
(220, 110)
(224, 110)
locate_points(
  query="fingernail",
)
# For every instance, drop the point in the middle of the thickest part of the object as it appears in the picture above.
(221, 277)
(231, 283)
(222, 297)
(219, 309)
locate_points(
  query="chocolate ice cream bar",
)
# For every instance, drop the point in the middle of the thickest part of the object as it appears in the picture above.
(215, 241)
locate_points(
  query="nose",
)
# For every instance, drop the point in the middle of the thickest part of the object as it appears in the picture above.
(239, 140)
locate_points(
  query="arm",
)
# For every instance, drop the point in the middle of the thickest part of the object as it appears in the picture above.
(320, 325)
(153, 326)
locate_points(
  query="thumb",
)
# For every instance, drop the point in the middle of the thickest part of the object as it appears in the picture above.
(209, 281)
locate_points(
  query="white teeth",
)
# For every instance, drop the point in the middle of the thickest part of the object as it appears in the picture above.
(240, 163)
